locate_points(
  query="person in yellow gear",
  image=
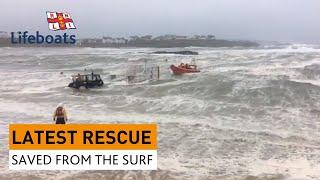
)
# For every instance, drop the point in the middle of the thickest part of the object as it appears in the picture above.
(60, 115)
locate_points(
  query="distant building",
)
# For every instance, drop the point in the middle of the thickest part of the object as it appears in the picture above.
(196, 37)
(202, 37)
(121, 41)
(4, 34)
(133, 38)
(93, 40)
(170, 37)
(166, 37)
(181, 37)
(211, 36)
(158, 38)
(147, 37)
(108, 40)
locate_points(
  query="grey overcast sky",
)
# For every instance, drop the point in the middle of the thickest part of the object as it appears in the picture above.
(272, 20)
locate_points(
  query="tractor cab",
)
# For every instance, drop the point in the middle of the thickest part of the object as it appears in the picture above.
(86, 80)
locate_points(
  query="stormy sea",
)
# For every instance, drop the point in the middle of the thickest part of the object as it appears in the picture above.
(251, 113)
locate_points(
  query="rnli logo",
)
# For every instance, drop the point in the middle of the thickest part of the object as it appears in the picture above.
(60, 21)
(56, 21)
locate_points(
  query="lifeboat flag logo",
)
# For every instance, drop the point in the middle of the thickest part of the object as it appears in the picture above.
(60, 21)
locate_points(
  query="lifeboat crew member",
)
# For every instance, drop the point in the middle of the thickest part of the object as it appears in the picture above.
(181, 65)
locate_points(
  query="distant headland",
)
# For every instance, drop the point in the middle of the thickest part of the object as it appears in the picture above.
(164, 41)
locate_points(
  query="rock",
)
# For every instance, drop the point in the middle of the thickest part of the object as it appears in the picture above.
(177, 52)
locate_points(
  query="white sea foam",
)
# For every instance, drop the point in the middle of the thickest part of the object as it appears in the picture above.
(249, 111)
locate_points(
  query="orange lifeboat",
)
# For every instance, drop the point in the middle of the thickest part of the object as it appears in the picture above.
(182, 69)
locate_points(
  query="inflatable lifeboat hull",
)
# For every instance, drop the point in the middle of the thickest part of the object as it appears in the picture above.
(178, 70)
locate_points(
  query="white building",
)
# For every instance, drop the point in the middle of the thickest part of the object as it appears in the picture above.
(202, 37)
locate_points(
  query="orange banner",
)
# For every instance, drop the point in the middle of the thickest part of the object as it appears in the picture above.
(83, 136)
